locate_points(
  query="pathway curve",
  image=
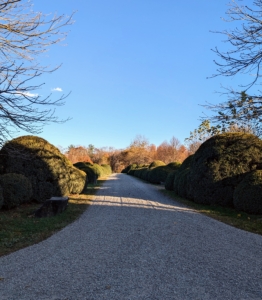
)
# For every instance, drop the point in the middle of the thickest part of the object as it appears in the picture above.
(134, 243)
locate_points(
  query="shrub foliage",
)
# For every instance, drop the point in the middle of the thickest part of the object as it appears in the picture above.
(220, 164)
(16, 189)
(1, 197)
(169, 184)
(248, 193)
(184, 166)
(156, 163)
(93, 171)
(49, 171)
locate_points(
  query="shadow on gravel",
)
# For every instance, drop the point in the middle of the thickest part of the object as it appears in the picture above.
(112, 193)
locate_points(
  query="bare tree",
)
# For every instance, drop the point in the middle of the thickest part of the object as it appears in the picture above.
(24, 35)
(244, 56)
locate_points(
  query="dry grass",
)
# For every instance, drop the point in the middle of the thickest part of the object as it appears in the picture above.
(230, 216)
(19, 228)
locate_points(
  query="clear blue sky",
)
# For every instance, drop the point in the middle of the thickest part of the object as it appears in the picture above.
(134, 67)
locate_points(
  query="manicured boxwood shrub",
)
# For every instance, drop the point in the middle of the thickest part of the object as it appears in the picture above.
(158, 174)
(138, 172)
(1, 197)
(169, 184)
(174, 165)
(182, 185)
(156, 163)
(16, 189)
(144, 173)
(129, 167)
(131, 172)
(220, 164)
(50, 172)
(93, 171)
(184, 166)
(248, 193)
(106, 169)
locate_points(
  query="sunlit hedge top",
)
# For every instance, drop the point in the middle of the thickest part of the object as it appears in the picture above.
(156, 163)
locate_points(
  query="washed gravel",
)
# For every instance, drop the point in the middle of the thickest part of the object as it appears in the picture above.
(134, 243)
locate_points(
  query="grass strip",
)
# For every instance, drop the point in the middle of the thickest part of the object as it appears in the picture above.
(230, 216)
(19, 228)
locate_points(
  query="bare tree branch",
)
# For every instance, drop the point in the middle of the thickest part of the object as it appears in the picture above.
(245, 55)
(24, 36)
(242, 111)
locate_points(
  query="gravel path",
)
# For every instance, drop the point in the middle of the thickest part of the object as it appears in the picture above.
(134, 243)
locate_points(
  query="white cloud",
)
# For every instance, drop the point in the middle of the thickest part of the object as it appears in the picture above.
(27, 94)
(58, 89)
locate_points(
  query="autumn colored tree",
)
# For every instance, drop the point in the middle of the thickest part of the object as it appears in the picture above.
(172, 151)
(139, 151)
(116, 160)
(78, 154)
(101, 155)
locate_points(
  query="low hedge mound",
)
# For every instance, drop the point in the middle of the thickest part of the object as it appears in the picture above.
(106, 169)
(93, 171)
(156, 163)
(248, 194)
(182, 183)
(1, 197)
(128, 168)
(50, 172)
(16, 189)
(174, 165)
(159, 174)
(220, 164)
(184, 166)
(169, 184)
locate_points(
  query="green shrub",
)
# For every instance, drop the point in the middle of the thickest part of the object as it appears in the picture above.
(128, 168)
(138, 172)
(184, 166)
(93, 171)
(76, 181)
(169, 184)
(106, 170)
(174, 165)
(1, 197)
(90, 174)
(17, 189)
(220, 164)
(182, 185)
(248, 194)
(131, 172)
(44, 165)
(158, 174)
(142, 173)
(156, 163)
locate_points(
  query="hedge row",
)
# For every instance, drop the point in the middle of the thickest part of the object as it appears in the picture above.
(15, 189)
(93, 171)
(33, 169)
(226, 171)
(156, 172)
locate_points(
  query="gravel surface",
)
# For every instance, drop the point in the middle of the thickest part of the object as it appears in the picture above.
(134, 243)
